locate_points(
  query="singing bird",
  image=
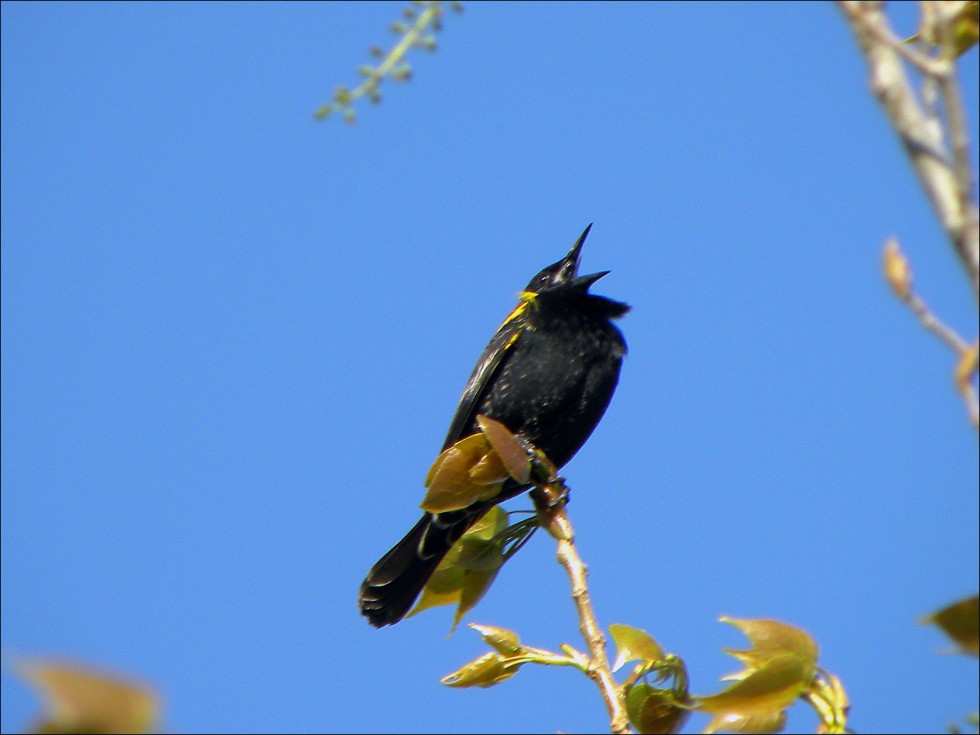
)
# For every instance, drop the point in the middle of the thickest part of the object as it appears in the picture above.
(547, 375)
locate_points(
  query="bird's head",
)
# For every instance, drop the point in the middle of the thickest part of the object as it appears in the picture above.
(561, 280)
(564, 273)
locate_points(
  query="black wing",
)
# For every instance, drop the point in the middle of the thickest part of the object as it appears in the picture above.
(487, 366)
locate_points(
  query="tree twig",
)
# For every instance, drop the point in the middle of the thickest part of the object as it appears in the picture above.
(959, 140)
(936, 167)
(898, 273)
(551, 511)
(920, 61)
(410, 36)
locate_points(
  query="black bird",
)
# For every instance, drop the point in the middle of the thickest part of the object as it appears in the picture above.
(547, 375)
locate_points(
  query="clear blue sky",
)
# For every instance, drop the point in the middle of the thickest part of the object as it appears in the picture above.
(233, 339)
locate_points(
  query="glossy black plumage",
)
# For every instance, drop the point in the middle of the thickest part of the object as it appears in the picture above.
(548, 374)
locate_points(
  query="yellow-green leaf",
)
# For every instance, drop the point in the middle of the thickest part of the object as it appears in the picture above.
(488, 470)
(468, 569)
(633, 644)
(490, 525)
(443, 588)
(449, 481)
(761, 723)
(504, 641)
(79, 698)
(512, 454)
(475, 586)
(770, 688)
(486, 671)
(961, 622)
(480, 556)
(653, 710)
(772, 638)
(457, 459)
(966, 28)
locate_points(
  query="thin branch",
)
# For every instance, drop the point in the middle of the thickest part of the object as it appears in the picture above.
(898, 273)
(374, 76)
(542, 656)
(933, 324)
(920, 61)
(956, 116)
(551, 510)
(935, 166)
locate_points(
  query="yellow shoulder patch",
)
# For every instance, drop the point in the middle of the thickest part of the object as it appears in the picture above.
(526, 298)
(518, 310)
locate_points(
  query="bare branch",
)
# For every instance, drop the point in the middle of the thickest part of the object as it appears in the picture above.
(955, 114)
(551, 511)
(939, 170)
(898, 273)
(883, 34)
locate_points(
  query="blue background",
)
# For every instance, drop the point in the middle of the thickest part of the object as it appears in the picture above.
(233, 339)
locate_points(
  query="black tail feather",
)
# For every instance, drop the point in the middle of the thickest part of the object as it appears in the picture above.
(395, 581)
(390, 588)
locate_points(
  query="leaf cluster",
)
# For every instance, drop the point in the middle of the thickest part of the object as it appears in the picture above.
(472, 470)
(779, 669)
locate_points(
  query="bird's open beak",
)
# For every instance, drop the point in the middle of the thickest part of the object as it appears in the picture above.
(569, 264)
(586, 281)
